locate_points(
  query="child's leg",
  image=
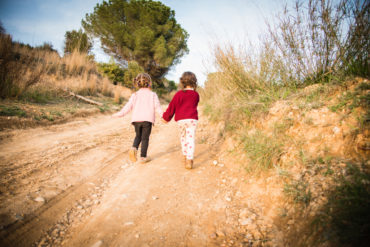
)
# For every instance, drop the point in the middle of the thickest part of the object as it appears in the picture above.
(182, 126)
(191, 126)
(146, 130)
(138, 131)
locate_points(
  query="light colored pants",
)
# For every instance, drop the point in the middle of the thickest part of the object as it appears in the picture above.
(187, 135)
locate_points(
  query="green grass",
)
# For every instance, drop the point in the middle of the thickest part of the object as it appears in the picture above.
(261, 150)
(12, 111)
(45, 115)
(299, 191)
(48, 117)
(38, 97)
(319, 165)
(315, 99)
(104, 108)
(316, 95)
(56, 113)
(351, 100)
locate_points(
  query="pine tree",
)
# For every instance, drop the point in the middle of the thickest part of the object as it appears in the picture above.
(144, 31)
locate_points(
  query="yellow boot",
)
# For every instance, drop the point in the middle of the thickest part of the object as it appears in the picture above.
(189, 164)
(132, 154)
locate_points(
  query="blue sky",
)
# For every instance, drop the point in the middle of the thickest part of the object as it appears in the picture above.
(208, 22)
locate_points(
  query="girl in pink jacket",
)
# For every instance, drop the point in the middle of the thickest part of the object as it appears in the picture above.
(143, 104)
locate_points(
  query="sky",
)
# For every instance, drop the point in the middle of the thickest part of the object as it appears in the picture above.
(208, 22)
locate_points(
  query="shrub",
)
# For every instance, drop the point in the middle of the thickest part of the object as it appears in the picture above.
(113, 71)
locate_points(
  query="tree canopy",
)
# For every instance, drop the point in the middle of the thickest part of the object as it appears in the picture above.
(76, 40)
(144, 31)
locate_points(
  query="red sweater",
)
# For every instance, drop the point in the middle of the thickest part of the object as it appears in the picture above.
(183, 105)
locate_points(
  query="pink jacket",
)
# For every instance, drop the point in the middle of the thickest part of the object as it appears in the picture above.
(143, 104)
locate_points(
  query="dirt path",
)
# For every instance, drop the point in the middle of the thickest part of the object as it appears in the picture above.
(72, 185)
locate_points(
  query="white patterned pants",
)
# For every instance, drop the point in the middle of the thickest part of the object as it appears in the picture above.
(187, 135)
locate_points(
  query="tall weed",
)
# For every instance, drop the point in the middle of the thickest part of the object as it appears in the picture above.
(318, 40)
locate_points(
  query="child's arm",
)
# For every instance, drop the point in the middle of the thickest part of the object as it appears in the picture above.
(168, 114)
(127, 108)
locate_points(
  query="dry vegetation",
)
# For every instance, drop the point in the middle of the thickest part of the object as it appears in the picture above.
(26, 70)
(35, 83)
(296, 110)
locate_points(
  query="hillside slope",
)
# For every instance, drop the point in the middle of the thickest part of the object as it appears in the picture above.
(307, 164)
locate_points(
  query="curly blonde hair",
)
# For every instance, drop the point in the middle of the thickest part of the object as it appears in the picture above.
(143, 80)
(188, 79)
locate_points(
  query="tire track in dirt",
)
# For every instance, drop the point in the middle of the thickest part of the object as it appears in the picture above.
(53, 163)
(43, 219)
(12, 170)
(46, 161)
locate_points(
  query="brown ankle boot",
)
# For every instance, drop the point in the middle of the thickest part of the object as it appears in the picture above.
(132, 154)
(189, 164)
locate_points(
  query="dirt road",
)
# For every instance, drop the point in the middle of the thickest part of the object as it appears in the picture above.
(73, 185)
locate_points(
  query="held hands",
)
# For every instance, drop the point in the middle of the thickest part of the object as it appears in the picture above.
(164, 121)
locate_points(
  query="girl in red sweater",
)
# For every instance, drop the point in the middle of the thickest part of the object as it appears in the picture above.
(184, 106)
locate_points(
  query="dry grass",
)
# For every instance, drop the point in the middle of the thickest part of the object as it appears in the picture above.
(260, 100)
(26, 72)
(306, 45)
